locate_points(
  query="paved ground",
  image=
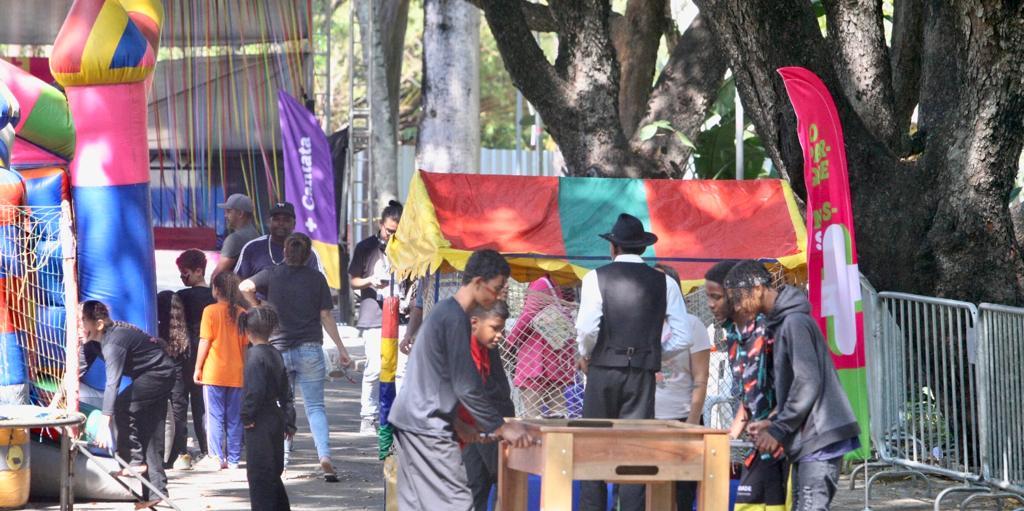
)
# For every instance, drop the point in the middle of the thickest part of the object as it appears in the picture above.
(355, 458)
(361, 486)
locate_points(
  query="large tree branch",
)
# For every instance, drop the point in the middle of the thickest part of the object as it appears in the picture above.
(685, 90)
(856, 33)
(636, 47)
(784, 33)
(538, 17)
(524, 60)
(907, 38)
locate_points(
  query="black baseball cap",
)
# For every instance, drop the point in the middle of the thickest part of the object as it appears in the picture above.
(283, 208)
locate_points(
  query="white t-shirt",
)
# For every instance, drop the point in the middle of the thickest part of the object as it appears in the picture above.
(674, 393)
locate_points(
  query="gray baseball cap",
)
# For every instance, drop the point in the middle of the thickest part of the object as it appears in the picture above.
(238, 201)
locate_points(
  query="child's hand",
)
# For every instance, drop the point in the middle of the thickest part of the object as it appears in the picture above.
(659, 377)
(249, 426)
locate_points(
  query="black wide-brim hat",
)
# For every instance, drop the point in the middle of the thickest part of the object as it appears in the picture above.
(628, 232)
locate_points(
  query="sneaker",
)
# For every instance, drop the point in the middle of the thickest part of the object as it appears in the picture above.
(330, 475)
(368, 427)
(233, 466)
(210, 463)
(184, 462)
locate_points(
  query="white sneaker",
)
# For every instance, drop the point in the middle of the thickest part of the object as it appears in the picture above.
(184, 462)
(210, 463)
(368, 427)
(234, 466)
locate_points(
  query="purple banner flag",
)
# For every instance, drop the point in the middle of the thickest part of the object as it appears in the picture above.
(309, 180)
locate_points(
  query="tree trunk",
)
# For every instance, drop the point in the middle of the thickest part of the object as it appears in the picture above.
(393, 18)
(686, 89)
(578, 97)
(383, 122)
(935, 225)
(636, 47)
(449, 134)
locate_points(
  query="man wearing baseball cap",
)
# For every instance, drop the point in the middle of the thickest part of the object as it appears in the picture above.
(239, 218)
(268, 250)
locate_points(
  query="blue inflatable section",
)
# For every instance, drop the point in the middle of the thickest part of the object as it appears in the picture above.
(12, 360)
(45, 191)
(115, 251)
(11, 260)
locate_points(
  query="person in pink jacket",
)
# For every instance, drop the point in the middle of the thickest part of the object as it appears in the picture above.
(544, 366)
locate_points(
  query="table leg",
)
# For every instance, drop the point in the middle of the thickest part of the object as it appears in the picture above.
(556, 481)
(713, 490)
(66, 460)
(512, 484)
(661, 496)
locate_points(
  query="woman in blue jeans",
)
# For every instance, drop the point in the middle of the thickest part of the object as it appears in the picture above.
(303, 302)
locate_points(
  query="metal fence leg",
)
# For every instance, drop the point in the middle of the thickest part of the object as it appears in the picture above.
(894, 473)
(1000, 496)
(956, 489)
(863, 467)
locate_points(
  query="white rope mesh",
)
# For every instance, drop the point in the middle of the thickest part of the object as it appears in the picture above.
(32, 307)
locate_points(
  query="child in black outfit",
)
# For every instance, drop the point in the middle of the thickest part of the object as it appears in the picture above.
(268, 414)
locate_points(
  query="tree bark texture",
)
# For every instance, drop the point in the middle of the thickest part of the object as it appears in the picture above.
(384, 132)
(449, 133)
(935, 223)
(686, 89)
(636, 49)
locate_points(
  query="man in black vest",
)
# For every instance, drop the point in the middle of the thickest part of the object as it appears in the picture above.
(624, 307)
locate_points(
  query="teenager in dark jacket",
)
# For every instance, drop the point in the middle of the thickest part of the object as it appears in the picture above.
(813, 421)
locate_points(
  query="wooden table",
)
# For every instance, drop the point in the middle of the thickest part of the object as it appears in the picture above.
(652, 452)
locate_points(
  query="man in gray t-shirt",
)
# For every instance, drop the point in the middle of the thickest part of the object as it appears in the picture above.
(238, 215)
(441, 375)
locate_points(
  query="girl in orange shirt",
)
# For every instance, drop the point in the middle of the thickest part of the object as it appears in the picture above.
(219, 367)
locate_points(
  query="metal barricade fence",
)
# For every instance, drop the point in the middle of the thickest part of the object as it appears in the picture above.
(1001, 395)
(924, 379)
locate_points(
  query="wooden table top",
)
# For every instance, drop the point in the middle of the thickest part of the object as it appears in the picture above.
(599, 426)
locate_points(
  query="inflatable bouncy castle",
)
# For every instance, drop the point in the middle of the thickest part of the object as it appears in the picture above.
(103, 56)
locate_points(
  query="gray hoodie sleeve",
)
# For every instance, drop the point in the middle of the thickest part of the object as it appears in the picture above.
(796, 345)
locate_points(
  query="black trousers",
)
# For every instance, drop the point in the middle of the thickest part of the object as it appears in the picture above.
(481, 462)
(264, 463)
(140, 415)
(616, 393)
(185, 392)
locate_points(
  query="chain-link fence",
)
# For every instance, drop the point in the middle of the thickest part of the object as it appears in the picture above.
(539, 351)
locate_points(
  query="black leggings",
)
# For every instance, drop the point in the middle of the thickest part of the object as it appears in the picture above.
(264, 463)
(186, 391)
(139, 426)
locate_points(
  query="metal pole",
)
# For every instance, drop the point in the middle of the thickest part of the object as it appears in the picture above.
(519, 132)
(739, 135)
(67, 500)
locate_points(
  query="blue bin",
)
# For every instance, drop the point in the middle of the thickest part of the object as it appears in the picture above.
(533, 495)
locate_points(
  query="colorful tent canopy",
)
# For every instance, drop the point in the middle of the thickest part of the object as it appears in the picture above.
(551, 225)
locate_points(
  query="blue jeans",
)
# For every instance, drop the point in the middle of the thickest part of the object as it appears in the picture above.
(307, 370)
(815, 483)
(224, 421)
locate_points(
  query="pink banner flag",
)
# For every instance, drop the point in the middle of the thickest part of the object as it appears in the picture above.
(834, 279)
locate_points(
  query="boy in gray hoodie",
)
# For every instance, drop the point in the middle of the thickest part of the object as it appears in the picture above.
(813, 420)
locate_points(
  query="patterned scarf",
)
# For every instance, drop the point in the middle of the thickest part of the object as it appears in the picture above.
(750, 354)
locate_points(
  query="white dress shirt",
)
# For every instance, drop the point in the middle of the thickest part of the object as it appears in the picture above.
(588, 322)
